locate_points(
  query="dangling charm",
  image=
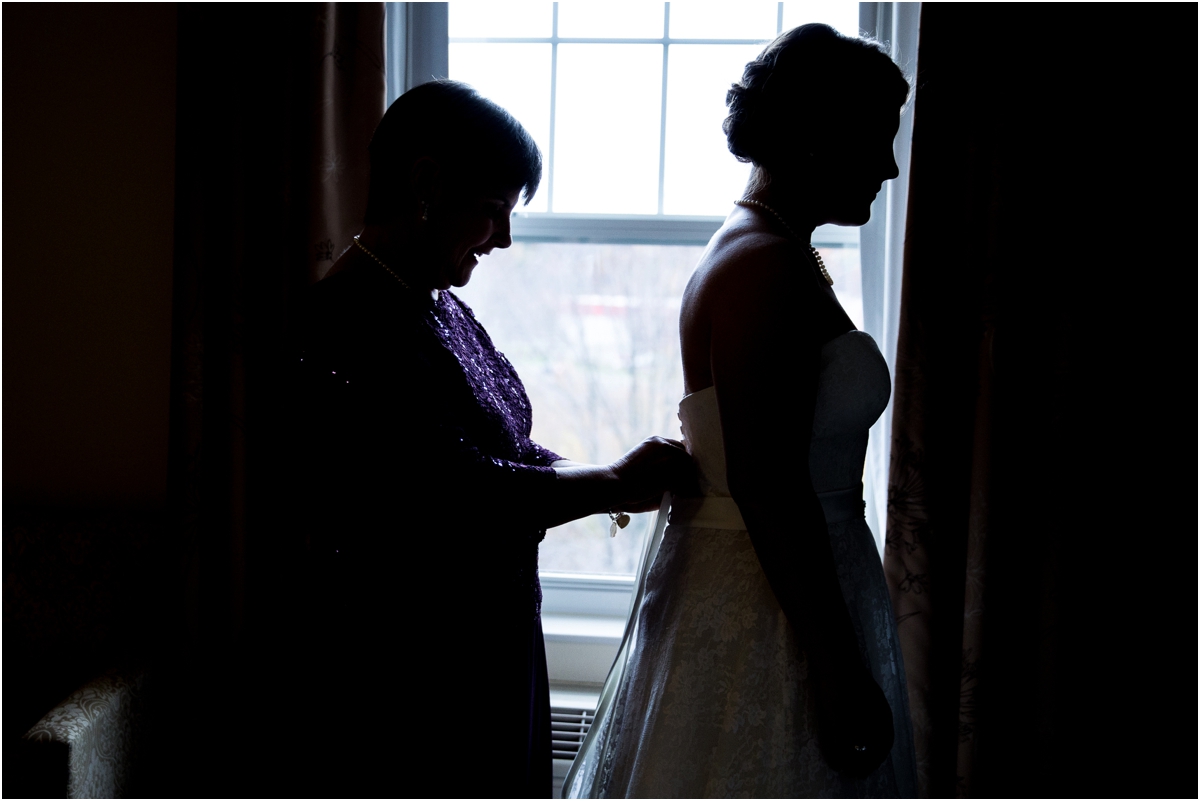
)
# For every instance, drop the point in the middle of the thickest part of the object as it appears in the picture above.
(619, 520)
(424, 211)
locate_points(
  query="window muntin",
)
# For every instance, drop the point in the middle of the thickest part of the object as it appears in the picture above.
(637, 178)
(611, 93)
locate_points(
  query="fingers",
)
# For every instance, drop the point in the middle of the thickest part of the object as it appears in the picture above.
(655, 465)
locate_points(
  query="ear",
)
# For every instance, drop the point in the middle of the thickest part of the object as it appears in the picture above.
(425, 179)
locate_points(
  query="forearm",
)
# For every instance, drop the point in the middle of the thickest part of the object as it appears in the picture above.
(581, 490)
(552, 495)
(797, 558)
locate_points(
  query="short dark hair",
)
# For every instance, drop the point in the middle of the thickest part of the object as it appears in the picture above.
(813, 68)
(471, 138)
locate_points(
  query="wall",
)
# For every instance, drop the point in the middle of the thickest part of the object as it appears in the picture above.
(89, 105)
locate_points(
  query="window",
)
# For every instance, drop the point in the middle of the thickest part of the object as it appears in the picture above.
(626, 102)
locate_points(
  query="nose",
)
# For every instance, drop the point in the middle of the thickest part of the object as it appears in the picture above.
(502, 238)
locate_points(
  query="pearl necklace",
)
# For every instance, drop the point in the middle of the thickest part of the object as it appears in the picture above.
(758, 204)
(379, 261)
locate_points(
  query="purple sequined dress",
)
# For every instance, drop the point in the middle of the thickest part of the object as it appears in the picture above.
(425, 555)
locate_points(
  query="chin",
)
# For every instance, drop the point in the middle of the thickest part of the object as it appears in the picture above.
(463, 278)
(855, 215)
(853, 220)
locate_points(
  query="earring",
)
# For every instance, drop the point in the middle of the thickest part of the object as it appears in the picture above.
(424, 211)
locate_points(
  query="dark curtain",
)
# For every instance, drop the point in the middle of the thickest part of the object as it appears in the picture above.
(277, 103)
(276, 106)
(1041, 546)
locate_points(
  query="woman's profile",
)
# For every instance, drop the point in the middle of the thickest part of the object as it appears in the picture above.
(762, 658)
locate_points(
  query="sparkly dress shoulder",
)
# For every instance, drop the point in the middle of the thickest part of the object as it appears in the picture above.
(424, 565)
(710, 695)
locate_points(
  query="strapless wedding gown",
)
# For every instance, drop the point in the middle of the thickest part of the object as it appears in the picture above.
(709, 695)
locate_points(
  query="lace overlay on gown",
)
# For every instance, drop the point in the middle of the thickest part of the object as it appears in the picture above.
(711, 697)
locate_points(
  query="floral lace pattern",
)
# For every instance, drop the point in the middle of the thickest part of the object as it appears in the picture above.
(714, 699)
(420, 429)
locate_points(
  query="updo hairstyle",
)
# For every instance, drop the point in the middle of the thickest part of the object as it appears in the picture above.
(474, 141)
(791, 98)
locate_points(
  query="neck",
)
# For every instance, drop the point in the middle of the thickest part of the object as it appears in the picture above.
(401, 251)
(788, 198)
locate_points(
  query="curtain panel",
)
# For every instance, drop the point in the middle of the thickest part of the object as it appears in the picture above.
(276, 106)
(963, 319)
(1046, 614)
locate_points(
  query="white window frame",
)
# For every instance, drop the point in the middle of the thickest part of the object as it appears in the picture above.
(583, 615)
(418, 38)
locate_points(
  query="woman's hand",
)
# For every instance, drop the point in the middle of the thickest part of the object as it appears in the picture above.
(654, 466)
(854, 721)
(633, 483)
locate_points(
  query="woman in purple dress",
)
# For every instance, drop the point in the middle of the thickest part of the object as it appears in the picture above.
(424, 535)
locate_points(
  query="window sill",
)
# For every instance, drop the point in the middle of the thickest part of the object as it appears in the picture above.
(583, 620)
(583, 629)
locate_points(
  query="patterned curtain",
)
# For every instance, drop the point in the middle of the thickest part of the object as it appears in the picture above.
(1046, 611)
(276, 106)
(940, 510)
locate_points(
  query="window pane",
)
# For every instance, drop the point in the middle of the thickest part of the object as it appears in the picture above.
(845, 269)
(593, 332)
(517, 77)
(607, 137)
(487, 18)
(621, 20)
(834, 13)
(720, 19)
(701, 175)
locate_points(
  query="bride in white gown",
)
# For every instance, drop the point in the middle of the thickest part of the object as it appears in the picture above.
(761, 657)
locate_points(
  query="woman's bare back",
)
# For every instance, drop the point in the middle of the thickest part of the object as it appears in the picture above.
(749, 270)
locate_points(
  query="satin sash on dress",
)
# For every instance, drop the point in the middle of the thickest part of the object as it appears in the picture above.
(715, 511)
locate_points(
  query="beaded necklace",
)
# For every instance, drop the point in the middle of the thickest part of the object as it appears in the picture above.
(379, 261)
(758, 204)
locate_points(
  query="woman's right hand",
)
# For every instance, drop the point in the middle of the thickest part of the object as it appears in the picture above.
(654, 466)
(854, 722)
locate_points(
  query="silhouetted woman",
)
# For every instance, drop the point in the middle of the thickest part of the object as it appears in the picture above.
(766, 662)
(432, 499)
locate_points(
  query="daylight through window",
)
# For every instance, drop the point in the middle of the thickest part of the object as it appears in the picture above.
(626, 102)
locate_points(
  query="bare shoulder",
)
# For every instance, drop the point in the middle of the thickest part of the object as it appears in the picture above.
(742, 262)
(745, 280)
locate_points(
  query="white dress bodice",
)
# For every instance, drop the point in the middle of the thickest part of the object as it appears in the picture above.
(852, 391)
